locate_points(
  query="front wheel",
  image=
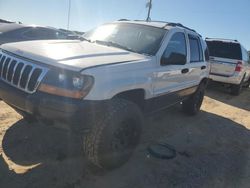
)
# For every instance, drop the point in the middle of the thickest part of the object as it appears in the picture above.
(114, 135)
(191, 106)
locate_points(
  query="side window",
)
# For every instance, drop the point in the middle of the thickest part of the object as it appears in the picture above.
(245, 55)
(206, 54)
(29, 34)
(196, 54)
(44, 33)
(248, 57)
(60, 35)
(176, 51)
(39, 33)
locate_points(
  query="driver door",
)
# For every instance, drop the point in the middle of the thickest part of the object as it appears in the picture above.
(172, 77)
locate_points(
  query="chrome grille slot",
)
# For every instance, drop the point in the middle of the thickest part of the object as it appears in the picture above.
(11, 70)
(5, 66)
(1, 64)
(17, 73)
(20, 73)
(24, 76)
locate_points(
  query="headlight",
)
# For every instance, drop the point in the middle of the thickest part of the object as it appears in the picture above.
(67, 84)
(78, 82)
(62, 77)
(68, 81)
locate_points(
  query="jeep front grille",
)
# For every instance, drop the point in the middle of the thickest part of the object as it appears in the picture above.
(20, 73)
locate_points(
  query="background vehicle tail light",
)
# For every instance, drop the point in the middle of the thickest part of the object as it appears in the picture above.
(238, 67)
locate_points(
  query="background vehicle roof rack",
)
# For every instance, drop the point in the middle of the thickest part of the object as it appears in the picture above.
(223, 39)
(123, 19)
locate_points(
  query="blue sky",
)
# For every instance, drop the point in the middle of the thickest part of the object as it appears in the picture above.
(211, 18)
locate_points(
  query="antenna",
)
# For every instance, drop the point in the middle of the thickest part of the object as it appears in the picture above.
(149, 6)
(69, 14)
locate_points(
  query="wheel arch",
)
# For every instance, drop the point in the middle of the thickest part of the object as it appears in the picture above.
(136, 96)
(204, 81)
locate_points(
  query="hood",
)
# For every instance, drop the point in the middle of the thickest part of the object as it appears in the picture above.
(74, 55)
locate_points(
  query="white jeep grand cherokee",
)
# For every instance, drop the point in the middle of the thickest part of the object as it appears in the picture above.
(105, 82)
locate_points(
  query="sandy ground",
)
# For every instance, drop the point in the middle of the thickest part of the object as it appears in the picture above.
(213, 150)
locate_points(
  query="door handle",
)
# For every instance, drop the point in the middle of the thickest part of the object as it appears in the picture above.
(184, 71)
(203, 67)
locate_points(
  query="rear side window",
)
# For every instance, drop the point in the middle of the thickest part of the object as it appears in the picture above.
(245, 55)
(196, 54)
(222, 49)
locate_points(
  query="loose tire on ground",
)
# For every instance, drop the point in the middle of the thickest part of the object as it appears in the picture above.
(191, 106)
(114, 135)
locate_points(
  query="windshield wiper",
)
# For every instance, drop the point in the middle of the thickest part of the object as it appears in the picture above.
(114, 44)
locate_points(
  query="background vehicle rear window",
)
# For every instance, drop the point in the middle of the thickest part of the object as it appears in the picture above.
(224, 49)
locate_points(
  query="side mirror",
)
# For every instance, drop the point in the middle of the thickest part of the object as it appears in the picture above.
(174, 59)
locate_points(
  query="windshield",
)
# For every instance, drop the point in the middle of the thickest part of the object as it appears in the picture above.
(133, 37)
(225, 49)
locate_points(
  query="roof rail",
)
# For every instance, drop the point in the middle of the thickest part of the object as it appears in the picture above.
(167, 24)
(180, 25)
(223, 39)
(171, 24)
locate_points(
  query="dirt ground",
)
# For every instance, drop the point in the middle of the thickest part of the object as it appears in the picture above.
(213, 150)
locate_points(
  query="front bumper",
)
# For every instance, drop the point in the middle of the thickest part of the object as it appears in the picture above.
(47, 106)
(234, 79)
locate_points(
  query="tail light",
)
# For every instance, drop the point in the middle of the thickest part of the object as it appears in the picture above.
(238, 67)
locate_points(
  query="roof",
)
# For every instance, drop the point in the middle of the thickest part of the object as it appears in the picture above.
(5, 21)
(6, 27)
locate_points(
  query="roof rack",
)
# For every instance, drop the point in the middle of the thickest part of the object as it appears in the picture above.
(171, 24)
(167, 24)
(222, 39)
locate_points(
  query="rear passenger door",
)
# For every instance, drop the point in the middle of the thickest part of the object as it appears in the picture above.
(196, 64)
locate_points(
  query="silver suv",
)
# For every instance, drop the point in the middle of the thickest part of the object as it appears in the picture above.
(106, 82)
(229, 63)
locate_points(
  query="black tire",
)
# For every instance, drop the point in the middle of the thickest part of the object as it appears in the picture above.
(236, 89)
(114, 135)
(191, 106)
(247, 84)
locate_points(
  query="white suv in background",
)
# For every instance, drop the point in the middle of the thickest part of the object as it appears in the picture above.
(229, 63)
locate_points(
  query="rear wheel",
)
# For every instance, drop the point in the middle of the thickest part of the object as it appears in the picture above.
(191, 106)
(236, 89)
(114, 135)
(247, 84)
